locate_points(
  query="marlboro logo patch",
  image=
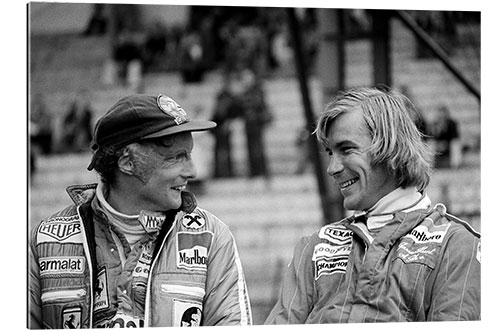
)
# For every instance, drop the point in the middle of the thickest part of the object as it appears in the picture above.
(192, 250)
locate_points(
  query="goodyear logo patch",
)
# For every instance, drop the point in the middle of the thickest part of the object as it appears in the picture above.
(337, 235)
(61, 265)
(330, 259)
(193, 221)
(421, 234)
(60, 229)
(192, 250)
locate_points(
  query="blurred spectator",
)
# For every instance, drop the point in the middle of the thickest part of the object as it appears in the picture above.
(257, 117)
(128, 58)
(40, 131)
(191, 57)
(252, 51)
(41, 125)
(155, 47)
(227, 108)
(303, 151)
(446, 139)
(98, 22)
(77, 125)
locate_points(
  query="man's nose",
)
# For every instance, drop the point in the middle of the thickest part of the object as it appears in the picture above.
(334, 166)
(189, 170)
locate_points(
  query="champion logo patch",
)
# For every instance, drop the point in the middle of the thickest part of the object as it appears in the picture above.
(193, 221)
(60, 229)
(61, 265)
(329, 259)
(192, 250)
(336, 235)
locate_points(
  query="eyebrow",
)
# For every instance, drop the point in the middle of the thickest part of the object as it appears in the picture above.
(345, 143)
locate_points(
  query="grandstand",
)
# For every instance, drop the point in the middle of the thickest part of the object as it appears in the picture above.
(267, 219)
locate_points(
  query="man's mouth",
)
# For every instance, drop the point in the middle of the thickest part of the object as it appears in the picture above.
(348, 183)
(179, 188)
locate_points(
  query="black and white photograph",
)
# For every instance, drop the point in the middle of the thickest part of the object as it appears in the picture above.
(241, 164)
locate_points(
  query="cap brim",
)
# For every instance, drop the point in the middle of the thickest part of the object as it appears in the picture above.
(191, 126)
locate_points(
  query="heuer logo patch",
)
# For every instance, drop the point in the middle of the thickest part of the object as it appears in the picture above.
(192, 250)
(60, 229)
(330, 259)
(72, 318)
(336, 235)
(422, 234)
(101, 291)
(61, 265)
(193, 221)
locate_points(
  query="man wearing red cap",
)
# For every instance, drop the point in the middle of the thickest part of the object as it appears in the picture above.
(135, 250)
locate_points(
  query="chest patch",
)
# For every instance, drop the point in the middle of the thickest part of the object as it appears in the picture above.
(192, 250)
(336, 235)
(329, 259)
(101, 291)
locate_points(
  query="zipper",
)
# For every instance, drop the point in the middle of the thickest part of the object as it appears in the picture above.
(90, 266)
(147, 308)
(185, 290)
(62, 295)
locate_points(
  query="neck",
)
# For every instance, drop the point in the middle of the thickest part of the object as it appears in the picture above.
(123, 199)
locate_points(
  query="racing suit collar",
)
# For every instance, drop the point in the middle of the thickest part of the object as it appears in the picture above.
(401, 199)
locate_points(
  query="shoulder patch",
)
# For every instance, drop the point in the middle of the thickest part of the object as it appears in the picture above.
(193, 221)
(60, 229)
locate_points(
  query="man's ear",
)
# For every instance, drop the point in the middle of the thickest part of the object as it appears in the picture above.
(125, 163)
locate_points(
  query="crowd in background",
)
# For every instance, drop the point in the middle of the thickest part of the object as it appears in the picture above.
(247, 44)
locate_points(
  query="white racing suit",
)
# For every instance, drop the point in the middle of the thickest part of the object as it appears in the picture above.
(195, 278)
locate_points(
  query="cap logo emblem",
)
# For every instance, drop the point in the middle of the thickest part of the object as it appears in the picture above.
(171, 108)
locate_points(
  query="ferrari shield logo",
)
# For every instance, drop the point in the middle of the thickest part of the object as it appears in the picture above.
(171, 108)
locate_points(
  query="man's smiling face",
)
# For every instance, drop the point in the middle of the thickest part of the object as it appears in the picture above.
(361, 184)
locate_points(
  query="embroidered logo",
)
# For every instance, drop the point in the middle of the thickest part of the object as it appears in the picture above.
(329, 259)
(61, 265)
(72, 318)
(60, 229)
(193, 221)
(422, 234)
(192, 250)
(336, 235)
(187, 313)
(171, 108)
(151, 221)
(101, 291)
